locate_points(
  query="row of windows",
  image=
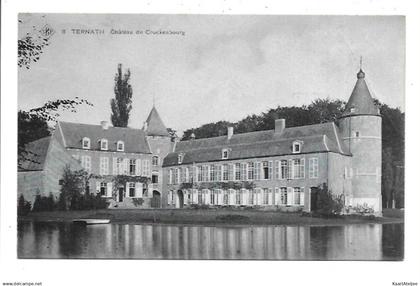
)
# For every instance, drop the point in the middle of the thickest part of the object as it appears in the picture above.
(282, 169)
(265, 197)
(120, 166)
(102, 144)
(132, 190)
(296, 148)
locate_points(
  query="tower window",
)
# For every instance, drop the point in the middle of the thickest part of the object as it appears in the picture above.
(155, 160)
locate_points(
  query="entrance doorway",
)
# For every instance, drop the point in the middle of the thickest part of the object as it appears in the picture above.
(120, 194)
(155, 203)
(314, 199)
(180, 201)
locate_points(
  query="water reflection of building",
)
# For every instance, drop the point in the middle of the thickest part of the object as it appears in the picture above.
(350, 242)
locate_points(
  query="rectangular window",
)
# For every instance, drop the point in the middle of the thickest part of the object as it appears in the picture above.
(132, 189)
(176, 176)
(257, 171)
(283, 196)
(265, 170)
(244, 171)
(200, 173)
(103, 189)
(132, 167)
(212, 197)
(313, 168)
(206, 173)
(120, 166)
(250, 170)
(200, 197)
(146, 168)
(237, 171)
(212, 173)
(277, 170)
(238, 197)
(298, 168)
(86, 163)
(155, 178)
(270, 170)
(266, 196)
(226, 197)
(231, 173)
(225, 172)
(297, 193)
(170, 179)
(284, 170)
(104, 166)
(218, 173)
(251, 197)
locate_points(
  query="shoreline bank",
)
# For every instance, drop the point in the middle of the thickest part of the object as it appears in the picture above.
(210, 217)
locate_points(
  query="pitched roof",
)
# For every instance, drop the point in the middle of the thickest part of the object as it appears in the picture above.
(34, 155)
(360, 102)
(73, 133)
(155, 125)
(315, 138)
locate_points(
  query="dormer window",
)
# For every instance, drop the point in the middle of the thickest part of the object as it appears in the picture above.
(297, 147)
(352, 109)
(120, 146)
(86, 143)
(103, 144)
(180, 158)
(225, 154)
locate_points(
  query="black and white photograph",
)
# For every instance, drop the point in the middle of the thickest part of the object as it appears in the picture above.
(175, 137)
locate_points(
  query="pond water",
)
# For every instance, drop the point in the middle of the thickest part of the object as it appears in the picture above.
(157, 241)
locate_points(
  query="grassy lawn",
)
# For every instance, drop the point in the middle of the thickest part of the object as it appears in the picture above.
(206, 216)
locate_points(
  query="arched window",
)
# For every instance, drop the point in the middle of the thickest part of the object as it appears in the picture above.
(120, 146)
(85, 143)
(103, 144)
(155, 160)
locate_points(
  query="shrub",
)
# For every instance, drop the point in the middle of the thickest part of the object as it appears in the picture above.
(328, 203)
(24, 207)
(43, 203)
(138, 202)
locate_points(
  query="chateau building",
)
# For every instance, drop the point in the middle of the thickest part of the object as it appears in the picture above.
(106, 152)
(282, 168)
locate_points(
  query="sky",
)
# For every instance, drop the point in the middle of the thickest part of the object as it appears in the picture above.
(215, 67)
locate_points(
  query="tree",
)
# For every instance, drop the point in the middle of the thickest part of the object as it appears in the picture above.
(172, 133)
(121, 104)
(72, 188)
(31, 47)
(387, 176)
(33, 124)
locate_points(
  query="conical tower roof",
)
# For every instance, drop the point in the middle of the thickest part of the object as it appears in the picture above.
(360, 102)
(154, 124)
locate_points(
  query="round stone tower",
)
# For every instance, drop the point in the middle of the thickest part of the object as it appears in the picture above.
(361, 130)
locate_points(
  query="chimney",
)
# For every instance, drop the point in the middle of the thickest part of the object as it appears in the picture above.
(230, 132)
(104, 125)
(279, 125)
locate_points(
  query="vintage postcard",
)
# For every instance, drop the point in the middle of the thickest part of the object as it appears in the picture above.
(189, 136)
